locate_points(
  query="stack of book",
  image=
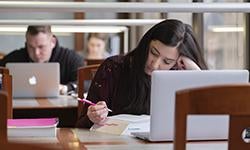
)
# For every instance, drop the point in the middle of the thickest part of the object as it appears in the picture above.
(39, 127)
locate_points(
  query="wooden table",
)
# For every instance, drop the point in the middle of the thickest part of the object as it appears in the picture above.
(63, 107)
(84, 139)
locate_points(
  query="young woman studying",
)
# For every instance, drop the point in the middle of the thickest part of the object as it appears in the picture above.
(122, 83)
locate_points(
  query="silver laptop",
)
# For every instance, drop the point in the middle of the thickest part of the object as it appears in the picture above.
(199, 127)
(33, 80)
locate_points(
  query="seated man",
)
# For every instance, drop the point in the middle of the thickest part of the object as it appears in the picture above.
(42, 46)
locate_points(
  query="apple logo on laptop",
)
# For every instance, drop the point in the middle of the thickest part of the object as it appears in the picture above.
(32, 80)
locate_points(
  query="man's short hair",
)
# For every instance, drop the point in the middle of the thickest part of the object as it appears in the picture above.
(34, 30)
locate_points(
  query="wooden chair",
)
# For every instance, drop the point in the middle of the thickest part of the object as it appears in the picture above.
(233, 100)
(3, 116)
(4, 70)
(84, 73)
(7, 86)
(93, 61)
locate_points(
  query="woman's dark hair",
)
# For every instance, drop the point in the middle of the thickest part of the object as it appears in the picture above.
(135, 87)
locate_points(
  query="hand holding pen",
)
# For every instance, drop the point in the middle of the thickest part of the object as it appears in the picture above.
(98, 112)
(89, 102)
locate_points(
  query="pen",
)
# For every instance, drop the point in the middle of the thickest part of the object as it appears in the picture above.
(89, 102)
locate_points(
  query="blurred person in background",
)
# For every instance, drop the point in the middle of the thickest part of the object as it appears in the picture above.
(42, 46)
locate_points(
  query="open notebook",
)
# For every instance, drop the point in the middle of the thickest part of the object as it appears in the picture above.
(123, 124)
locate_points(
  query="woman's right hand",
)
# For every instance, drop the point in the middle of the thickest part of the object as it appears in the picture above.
(98, 113)
(185, 63)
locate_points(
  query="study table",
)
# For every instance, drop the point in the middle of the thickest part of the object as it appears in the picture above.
(68, 138)
(63, 107)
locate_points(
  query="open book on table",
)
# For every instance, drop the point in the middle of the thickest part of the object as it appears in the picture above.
(39, 127)
(124, 124)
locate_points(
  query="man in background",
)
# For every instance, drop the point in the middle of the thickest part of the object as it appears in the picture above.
(42, 46)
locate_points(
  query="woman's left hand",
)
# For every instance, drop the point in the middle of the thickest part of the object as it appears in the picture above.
(185, 63)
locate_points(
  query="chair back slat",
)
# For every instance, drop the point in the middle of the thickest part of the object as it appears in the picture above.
(84, 73)
(93, 61)
(3, 116)
(7, 86)
(233, 100)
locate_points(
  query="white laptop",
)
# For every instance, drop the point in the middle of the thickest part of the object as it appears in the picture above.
(164, 84)
(33, 80)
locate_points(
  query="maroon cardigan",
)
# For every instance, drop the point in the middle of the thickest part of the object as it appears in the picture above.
(106, 86)
(103, 87)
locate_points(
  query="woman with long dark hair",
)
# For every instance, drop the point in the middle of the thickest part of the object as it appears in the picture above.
(122, 83)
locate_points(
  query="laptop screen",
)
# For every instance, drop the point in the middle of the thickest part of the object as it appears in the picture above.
(32, 80)
(163, 88)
